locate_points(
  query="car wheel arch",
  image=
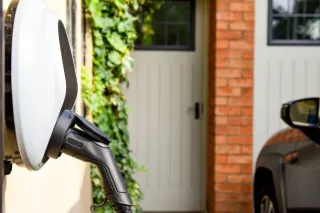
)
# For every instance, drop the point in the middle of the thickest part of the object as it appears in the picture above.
(262, 177)
(269, 167)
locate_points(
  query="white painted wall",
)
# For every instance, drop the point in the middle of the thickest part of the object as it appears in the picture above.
(281, 74)
(62, 186)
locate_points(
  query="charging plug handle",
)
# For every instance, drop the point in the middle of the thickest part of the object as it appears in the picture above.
(89, 144)
(76, 144)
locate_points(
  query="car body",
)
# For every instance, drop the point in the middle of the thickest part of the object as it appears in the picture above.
(287, 171)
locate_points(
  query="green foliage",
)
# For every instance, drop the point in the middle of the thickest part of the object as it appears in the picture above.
(114, 34)
(115, 25)
(144, 16)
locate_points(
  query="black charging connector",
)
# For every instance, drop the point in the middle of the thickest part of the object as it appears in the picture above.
(75, 136)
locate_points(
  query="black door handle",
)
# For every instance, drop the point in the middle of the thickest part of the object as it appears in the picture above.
(197, 110)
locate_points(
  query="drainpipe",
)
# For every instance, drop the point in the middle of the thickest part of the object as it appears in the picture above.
(77, 44)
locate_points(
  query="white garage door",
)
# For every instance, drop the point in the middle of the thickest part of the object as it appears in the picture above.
(287, 60)
(165, 97)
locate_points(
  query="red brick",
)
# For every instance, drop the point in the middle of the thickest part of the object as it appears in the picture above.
(228, 73)
(234, 197)
(221, 197)
(226, 54)
(227, 149)
(226, 168)
(247, 111)
(242, 139)
(246, 130)
(247, 73)
(222, 44)
(228, 91)
(223, 207)
(249, 16)
(221, 159)
(239, 120)
(241, 6)
(220, 120)
(220, 139)
(227, 34)
(246, 169)
(242, 25)
(230, 130)
(220, 110)
(240, 178)
(247, 92)
(221, 82)
(240, 101)
(222, 25)
(248, 55)
(220, 178)
(241, 82)
(246, 188)
(228, 16)
(246, 149)
(222, 63)
(222, 6)
(240, 63)
(241, 197)
(248, 36)
(241, 45)
(239, 159)
(231, 61)
(247, 205)
(227, 187)
(221, 101)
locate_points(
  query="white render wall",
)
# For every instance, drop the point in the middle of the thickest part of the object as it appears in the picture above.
(281, 73)
(61, 186)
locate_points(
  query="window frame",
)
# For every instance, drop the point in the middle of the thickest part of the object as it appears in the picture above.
(278, 42)
(190, 47)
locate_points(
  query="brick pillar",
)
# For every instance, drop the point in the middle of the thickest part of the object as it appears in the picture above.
(230, 106)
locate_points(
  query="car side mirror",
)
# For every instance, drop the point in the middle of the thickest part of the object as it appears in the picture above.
(302, 113)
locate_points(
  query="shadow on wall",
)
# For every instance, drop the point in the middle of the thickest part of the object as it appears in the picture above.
(62, 186)
(80, 206)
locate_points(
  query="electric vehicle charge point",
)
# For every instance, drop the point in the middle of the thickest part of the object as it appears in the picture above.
(40, 92)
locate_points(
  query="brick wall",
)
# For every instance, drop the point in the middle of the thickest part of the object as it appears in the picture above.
(230, 106)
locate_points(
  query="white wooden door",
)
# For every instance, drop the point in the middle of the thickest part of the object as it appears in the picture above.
(164, 134)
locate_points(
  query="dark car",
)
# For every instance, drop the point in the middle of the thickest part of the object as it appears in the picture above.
(287, 173)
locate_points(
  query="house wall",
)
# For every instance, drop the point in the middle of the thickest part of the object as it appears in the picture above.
(62, 185)
(230, 106)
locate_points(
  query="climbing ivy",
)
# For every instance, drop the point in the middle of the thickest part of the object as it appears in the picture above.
(115, 25)
(113, 35)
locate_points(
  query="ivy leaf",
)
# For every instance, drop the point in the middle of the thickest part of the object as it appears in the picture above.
(98, 21)
(115, 57)
(107, 23)
(127, 63)
(125, 26)
(120, 3)
(93, 6)
(116, 41)
(131, 35)
(111, 64)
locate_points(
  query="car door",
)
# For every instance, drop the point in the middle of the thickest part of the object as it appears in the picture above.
(302, 177)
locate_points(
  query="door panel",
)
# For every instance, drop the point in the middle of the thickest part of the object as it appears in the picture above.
(165, 136)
